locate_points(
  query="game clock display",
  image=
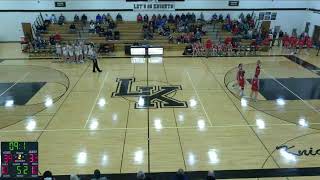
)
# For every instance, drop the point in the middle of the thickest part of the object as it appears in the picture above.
(19, 160)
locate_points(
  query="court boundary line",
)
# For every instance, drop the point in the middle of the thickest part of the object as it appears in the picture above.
(175, 120)
(310, 106)
(15, 83)
(68, 93)
(96, 100)
(205, 112)
(243, 116)
(141, 128)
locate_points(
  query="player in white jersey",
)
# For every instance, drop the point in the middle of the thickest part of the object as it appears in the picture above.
(58, 51)
(65, 53)
(70, 48)
(77, 51)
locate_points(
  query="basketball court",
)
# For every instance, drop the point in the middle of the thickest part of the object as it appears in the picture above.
(159, 114)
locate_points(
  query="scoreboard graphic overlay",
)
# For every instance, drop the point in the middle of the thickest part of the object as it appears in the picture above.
(19, 159)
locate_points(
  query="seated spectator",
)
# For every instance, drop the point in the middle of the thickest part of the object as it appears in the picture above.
(61, 20)
(164, 17)
(98, 28)
(98, 19)
(76, 18)
(141, 175)
(112, 25)
(72, 28)
(180, 175)
(53, 19)
(47, 175)
(171, 18)
(109, 34)
(104, 19)
(57, 37)
(51, 40)
(47, 19)
(188, 50)
(109, 18)
(146, 18)
(214, 17)
(139, 18)
(119, 17)
(84, 19)
(211, 176)
(177, 18)
(102, 32)
(92, 27)
(97, 175)
(116, 35)
(153, 18)
(183, 17)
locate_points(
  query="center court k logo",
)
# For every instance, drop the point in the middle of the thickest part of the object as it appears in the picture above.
(149, 96)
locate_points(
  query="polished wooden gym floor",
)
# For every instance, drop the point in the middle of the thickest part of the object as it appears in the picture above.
(89, 127)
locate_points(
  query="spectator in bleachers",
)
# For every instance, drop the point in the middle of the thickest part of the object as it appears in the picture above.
(72, 28)
(102, 32)
(109, 18)
(112, 25)
(47, 175)
(139, 18)
(109, 34)
(92, 27)
(47, 19)
(61, 19)
(119, 17)
(98, 18)
(180, 175)
(177, 18)
(211, 176)
(97, 174)
(183, 17)
(214, 18)
(98, 28)
(171, 18)
(201, 17)
(104, 19)
(116, 35)
(84, 19)
(141, 175)
(76, 18)
(57, 37)
(146, 18)
(53, 19)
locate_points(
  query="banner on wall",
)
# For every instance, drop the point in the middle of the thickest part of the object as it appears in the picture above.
(153, 7)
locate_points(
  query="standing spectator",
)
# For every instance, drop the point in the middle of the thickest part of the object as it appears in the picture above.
(61, 20)
(84, 19)
(119, 17)
(47, 19)
(146, 18)
(180, 175)
(139, 18)
(104, 19)
(53, 19)
(76, 18)
(280, 38)
(211, 176)
(97, 175)
(98, 18)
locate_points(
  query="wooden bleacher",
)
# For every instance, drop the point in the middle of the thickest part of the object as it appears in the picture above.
(130, 32)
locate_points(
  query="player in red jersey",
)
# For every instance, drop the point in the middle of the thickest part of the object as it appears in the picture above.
(241, 79)
(258, 68)
(254, 87)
